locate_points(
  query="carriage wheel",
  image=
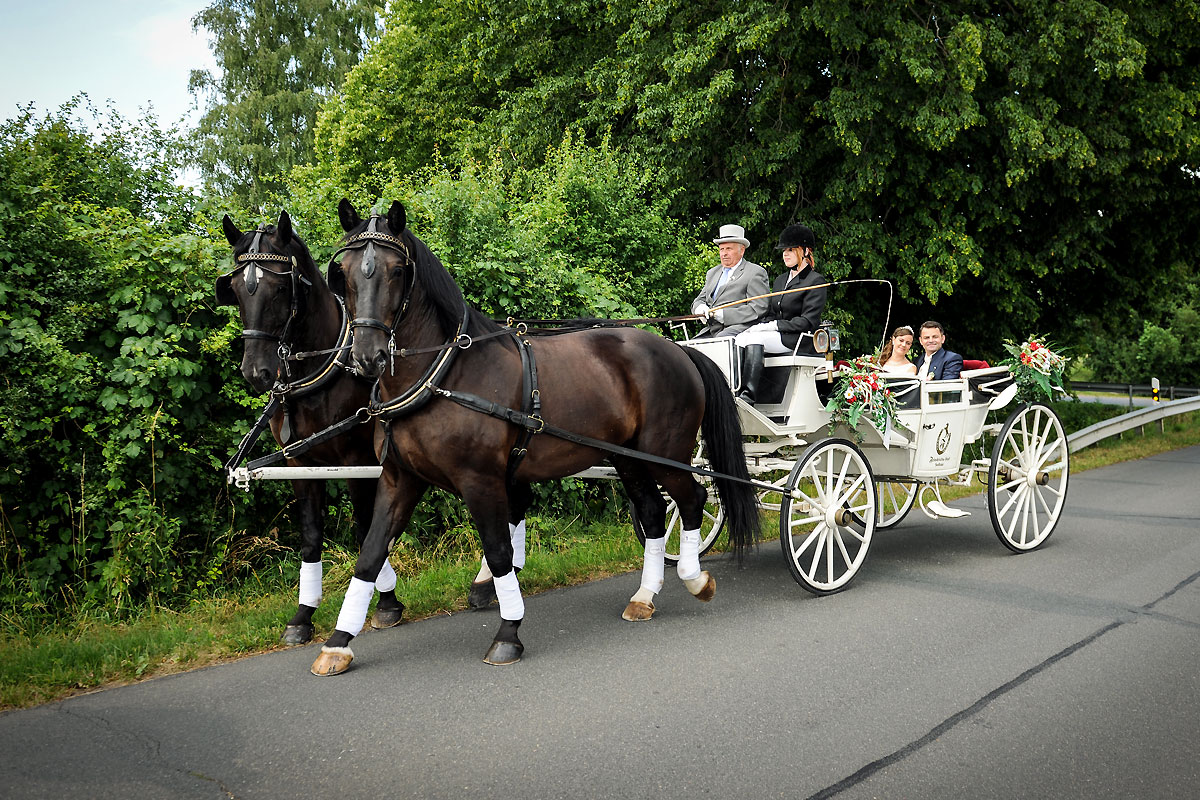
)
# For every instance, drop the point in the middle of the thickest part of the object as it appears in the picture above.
(829, 493)
(895, 500)
(1027, 479)
(710, 526)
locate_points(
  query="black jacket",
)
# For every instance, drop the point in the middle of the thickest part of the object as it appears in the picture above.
(798, 312)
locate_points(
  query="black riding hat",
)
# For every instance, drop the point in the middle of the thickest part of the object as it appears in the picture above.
(796, 236)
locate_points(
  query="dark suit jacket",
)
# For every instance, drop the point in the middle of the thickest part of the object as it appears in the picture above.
(798, 312)
(943, 366)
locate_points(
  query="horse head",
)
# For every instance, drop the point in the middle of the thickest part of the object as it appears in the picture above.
(376, 276)
(270, 290)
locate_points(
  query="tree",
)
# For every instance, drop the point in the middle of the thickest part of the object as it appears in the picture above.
(279, 61)
(1036, 160)
(114, 371)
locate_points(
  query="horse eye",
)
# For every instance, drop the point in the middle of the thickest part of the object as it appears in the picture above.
(397, 272)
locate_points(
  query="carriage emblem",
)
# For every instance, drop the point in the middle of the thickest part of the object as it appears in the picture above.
(943, 439)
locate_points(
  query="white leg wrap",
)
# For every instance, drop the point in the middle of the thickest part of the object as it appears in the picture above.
(688, 567)
(512, 607)
(353, 615)
(517, 534)
(643, 596)
(485, 574)
(387, 577)
(310, 583)
(652, 565)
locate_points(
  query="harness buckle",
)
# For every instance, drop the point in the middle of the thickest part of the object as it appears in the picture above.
(462, 337)
(541, 423)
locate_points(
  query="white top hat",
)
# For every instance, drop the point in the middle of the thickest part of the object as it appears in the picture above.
(732, 233)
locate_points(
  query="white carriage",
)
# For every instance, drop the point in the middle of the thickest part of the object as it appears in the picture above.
(834, 490)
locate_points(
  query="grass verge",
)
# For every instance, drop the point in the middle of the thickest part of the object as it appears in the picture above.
(44, 662)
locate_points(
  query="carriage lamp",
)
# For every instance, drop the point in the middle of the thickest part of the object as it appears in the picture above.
(827, 340)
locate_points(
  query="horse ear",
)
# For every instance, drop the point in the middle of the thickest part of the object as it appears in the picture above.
(232, 234)
(225, 295)
(336, 279)
(397, 217)
(348, 216)
(284, 228)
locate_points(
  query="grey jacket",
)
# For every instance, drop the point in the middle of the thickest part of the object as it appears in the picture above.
(746, 280)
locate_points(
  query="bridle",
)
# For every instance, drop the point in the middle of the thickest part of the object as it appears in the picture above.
(366, 241)
(252, 262)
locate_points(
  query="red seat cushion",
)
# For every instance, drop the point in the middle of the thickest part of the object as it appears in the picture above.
(972, 364)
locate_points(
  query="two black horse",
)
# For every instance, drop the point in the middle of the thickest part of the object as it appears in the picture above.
(287, 311)
(482, 412)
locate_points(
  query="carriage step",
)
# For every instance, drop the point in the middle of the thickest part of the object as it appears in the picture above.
(940, 509)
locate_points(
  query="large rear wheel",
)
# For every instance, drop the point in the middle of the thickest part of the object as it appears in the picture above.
(828, 516)
(1027, 479)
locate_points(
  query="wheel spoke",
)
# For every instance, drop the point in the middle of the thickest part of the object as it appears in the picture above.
(1026, 510)
(821, 532)
(1045, 507)
(807, 539)
(842, 548)
(1018, 493)
(816, 516)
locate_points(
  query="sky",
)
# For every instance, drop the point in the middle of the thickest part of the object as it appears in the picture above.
(135, 53)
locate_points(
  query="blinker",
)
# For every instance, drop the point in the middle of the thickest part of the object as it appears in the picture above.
(252, 270)
(368, 262)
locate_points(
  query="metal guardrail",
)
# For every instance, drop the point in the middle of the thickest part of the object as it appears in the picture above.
(1135, 389)
(1127, 422)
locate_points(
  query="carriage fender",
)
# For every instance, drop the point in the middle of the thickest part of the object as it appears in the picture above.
(1004, 398)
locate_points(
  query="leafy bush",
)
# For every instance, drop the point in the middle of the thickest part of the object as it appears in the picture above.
(114, 372)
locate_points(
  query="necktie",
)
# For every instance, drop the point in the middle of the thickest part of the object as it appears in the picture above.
(721, 281)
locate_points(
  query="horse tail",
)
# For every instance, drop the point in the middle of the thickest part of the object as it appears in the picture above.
(722, 432)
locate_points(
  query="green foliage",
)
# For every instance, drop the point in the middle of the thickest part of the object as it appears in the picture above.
(278, 62)
(586, 233)
(114, 367)
(1034, 166)
(1161, 340)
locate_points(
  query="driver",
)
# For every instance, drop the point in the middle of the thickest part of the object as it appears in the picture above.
(733, 279)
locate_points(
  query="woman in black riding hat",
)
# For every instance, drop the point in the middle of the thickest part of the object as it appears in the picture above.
(791, 318)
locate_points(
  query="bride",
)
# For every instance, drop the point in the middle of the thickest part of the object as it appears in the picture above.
(894, 356)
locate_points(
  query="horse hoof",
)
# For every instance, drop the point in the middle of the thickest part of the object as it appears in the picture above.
(297, 634)
(386, 618)
(501, 653)
(482, 595)
(332, 661)
(637, 611)
(706, 590)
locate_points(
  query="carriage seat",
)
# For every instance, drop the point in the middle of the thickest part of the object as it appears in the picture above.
(970, 364)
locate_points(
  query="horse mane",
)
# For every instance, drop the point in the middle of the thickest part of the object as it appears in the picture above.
(444, 292)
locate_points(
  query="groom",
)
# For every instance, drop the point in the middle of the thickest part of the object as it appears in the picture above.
(937, 363)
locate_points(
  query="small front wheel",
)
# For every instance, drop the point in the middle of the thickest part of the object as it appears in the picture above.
(1027, 479)
(828, 516)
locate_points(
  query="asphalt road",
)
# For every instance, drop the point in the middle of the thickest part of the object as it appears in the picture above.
(950, 669)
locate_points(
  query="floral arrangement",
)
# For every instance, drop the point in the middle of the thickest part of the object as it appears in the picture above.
(1036, 368)
(859, 393)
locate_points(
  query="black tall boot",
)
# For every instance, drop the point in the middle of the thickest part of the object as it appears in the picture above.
(752, 368)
